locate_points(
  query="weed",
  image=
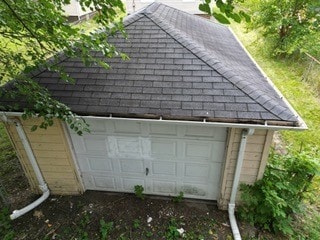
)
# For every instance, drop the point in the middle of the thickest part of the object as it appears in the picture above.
(6, 230)
(194, 236)
(7, 151)
(82, 235)
(122, 237)
(80, 204)
(67, 230)
(179, 198)
(136, 224)
(213, 222)
(105, 229)
(81, 229)
(85, 220)
(172, 233)
(172, 230)
(149, 234)
(138, 190)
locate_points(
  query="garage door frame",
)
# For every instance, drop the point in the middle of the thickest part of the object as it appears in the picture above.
(222, 165)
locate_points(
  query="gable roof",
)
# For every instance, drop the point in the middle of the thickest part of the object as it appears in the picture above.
(181, 67)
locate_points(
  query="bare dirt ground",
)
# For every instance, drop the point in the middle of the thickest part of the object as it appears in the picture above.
(102, 215)
(125, 217)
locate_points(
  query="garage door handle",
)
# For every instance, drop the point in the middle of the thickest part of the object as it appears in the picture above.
(147, 171)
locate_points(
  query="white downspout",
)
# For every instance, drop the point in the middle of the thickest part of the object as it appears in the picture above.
(232, 203)
(42, 185)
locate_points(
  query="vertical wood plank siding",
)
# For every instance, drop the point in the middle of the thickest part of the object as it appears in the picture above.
(255, 160)
(52, 153)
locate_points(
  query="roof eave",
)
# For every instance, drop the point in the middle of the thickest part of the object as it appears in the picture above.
(230, 123)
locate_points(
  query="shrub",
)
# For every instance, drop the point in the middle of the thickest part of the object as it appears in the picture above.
(138, 191)
(178, 198)
(271, 202)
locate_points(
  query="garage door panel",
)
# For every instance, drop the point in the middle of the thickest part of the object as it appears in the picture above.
(105, 182)
(97, 127)
(194, 190)
(161, 129)
(198, 172)
(125, 147)
(163, 147)
(132, 166)
(164, 168)
(99, 182)
(94, 144)
(129, 146)
(129, 183)
(95, 164)
(99, 164)
(164, 187)
(127, 127)
(199, 150)
(216, 134)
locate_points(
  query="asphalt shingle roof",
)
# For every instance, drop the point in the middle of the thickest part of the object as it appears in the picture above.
(181, 67)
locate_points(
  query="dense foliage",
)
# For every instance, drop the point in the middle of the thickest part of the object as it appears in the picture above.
(271, 202)
(31, 31)
(291, 26)
(224, 11)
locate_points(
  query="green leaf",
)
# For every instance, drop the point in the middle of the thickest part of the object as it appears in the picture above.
(221, 18)
(205, 7)
(34, 128)
(245, 16)
(24, 116)
(221, 5)
(236, 17)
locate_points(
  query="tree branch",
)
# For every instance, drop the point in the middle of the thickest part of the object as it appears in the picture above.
(23, 24)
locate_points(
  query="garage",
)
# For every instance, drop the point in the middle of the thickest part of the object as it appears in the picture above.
(188, 111)
(164, 158)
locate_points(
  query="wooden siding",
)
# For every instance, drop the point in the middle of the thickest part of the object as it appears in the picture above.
(53, 155)
(255, 160)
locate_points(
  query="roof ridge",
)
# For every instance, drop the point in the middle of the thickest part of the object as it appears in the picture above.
(238, 81)
(132, 18)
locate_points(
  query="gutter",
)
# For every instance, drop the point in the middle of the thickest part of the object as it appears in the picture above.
(266, 124)
(42, 184)
(204, 122)
(232, 203)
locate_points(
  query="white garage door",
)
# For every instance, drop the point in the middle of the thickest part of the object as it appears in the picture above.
(164, 158)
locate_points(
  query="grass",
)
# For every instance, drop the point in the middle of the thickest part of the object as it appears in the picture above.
(7, 152)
